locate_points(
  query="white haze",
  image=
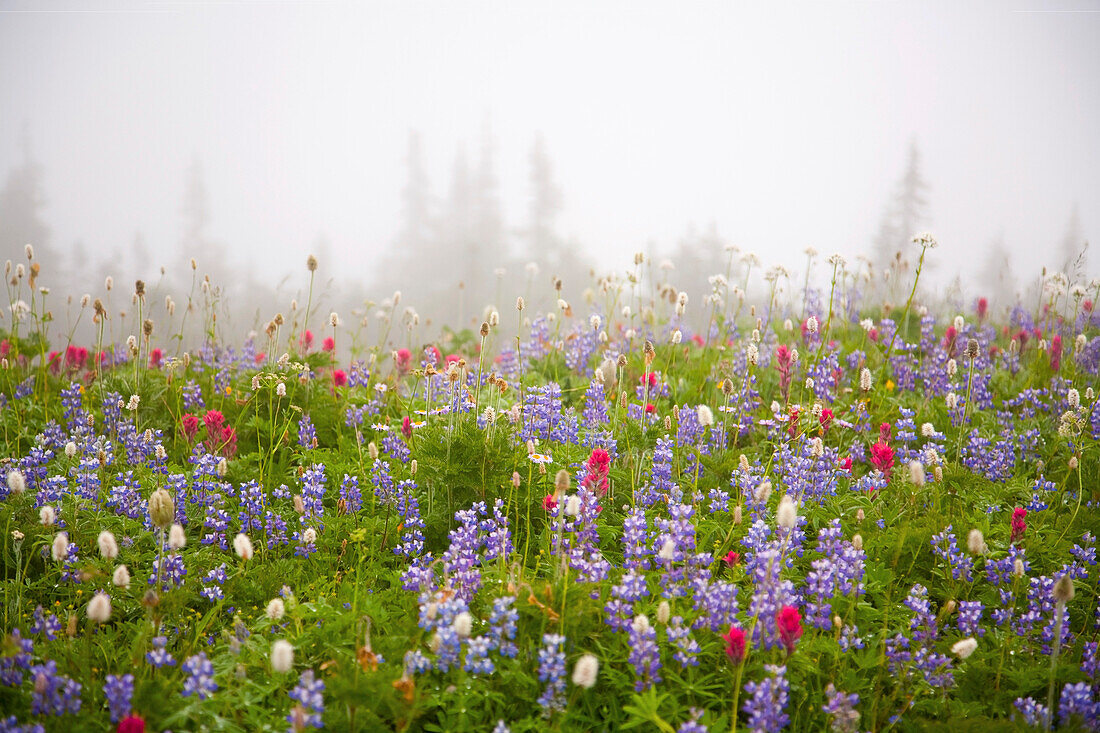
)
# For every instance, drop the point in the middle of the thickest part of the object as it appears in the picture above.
(786, 125)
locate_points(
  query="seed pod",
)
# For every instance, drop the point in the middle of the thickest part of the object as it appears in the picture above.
(161, 508)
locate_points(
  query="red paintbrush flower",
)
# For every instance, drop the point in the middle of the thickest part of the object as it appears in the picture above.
(789, 623)
(735, 644)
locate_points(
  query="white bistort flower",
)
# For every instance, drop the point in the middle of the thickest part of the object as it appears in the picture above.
(99, 608)
(242, 545)
(282, 656)
(585, 671)
(108, 548)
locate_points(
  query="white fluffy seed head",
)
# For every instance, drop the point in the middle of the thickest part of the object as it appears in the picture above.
(282, 656)
(1018, 568)
(16, 483)
(309, 536)
(121, 577)
(737, 514)
(817, 448)
(964, 648)
(706, 416)
(276, 609)
(787, 514)
(916, 473)
(668, 551)
(640, 623)
(865, 379)
(463, 624)
(857, 541)
(811, 324)
(99, 608)
(1073, 397)
(242, 545)
(70, 449)
(47, 515)
(664, 612)
(573, 506)
(975, 542)
(108, 548)
(177, 539)
(60, 548)
(585, 671)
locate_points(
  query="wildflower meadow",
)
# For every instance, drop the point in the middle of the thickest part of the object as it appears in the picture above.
(769, 506)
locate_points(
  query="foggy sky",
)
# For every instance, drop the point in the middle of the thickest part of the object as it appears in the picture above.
(786, 124)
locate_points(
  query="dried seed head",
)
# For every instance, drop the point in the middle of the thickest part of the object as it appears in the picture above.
(972, 349)
(1063, 589)
(139, 288)
(147, 328)
(311, 263)
(484, 329)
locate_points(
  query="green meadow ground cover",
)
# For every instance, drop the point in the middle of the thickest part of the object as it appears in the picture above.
(808, 515)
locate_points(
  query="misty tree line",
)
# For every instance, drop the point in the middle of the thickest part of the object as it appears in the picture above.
(454, 255)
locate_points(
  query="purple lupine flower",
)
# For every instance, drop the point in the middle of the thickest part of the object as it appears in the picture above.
(552, 672)
(383, 482)
(250, 499)
(498, 537)
(54, 694)
(45, 623)
(770, 595)
(849, 638)
(119, 691)
(595, 405)
(645, 656)
(687, 649)
(307, 434)
(766, 704)
(477, 656)
(923, 623)
(408, 508)
(632, 587)
(635, 550)
(461, 560)
(159, 656)
(1077, 702)
(1090, 660)
(12, 664)
(310, 695)
(841, 708)
(172, 573)
(661, 485)
(192, 395)
(502, 626)
(313, 495)
(970, 617)
(692, 724)
(1034, 714)
(946, 546)
(349, 492)
(201, 676)
(715, 601)
(212, 584)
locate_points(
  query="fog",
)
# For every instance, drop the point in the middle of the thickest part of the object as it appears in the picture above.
(416, 144)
